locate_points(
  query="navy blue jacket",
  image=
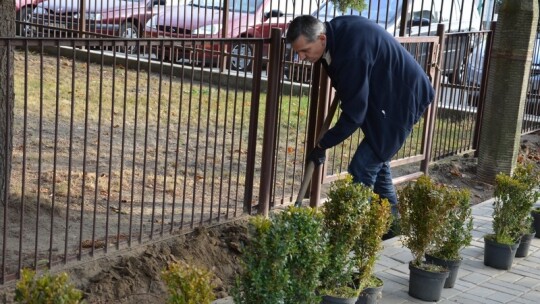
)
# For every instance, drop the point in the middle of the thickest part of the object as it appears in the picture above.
(383, 90)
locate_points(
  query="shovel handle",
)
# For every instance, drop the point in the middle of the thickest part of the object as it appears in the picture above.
(305, 183)
(310, 166)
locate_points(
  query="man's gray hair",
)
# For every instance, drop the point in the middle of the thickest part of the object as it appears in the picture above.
(307, 26)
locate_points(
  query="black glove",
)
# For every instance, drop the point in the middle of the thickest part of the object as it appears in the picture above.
(317, 156)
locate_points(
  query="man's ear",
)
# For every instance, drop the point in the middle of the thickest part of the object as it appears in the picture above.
(322, 37)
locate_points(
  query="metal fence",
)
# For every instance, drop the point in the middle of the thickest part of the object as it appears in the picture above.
(118, 142)
(113, 150)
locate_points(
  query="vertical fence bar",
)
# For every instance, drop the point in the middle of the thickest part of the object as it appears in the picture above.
(55, 152)
(85, 149)
(82, 19)
(70, 152)
(403, 20)
(270, 119)
(483, 88)
(6, 113)
(40, 154)
(23, 173)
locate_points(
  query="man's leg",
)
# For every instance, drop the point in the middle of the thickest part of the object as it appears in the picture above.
(368, 169)
(385, 188)
(365, 165)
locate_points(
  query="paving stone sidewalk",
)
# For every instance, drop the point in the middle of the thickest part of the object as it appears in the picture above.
(476, 283)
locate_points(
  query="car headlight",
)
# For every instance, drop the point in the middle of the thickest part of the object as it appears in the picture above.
(211, 29)
(152, 23)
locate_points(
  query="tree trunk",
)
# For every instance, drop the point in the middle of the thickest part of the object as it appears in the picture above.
(509, 71)
(7, 96)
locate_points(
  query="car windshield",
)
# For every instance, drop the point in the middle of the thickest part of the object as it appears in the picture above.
(382, 11)
(244, 6)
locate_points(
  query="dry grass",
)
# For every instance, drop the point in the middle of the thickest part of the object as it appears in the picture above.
(102, 151)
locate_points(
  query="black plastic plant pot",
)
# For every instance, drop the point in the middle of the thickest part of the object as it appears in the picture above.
(426, 285)
(499, 256)
(337, 300)
(370, 295)
(452, 266)
(536, 222)
(524, 244)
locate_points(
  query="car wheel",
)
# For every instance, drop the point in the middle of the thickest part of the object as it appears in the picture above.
(241, 57)
(24, 15)
(129, 30)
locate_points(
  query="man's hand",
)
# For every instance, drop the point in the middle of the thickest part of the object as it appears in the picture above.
(317, 155)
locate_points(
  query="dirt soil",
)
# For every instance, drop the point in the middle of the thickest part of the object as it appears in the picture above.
(134, 276)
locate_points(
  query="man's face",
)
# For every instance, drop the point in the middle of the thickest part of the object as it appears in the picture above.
(310, 51)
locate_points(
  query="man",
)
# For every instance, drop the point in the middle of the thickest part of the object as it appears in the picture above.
(383, 91)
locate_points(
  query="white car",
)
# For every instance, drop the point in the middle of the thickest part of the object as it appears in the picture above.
(422, 19)
(475, 64)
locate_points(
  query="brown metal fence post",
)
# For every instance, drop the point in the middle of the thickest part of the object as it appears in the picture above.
(313, 106)
(432, 109)
(483, 88)
(320, 110)
(224, 30)
(270, 121)
(82, 19)
(253, 125)
(403, 21)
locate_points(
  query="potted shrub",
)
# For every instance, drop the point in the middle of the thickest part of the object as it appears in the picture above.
(283, 258)
(422, 209)
(343, 214)
(527, 234)
(528, 175)
(455, 235)
(535, 214)
(302, 230)
(367, 247)
(514, 197)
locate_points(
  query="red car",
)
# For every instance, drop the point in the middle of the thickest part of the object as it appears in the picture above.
(121, 18)
(206, 19)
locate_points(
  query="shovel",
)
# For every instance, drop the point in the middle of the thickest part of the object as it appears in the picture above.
(310, 167)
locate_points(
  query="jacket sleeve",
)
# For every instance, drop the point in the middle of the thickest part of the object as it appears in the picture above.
(343, 128)
(351, 80)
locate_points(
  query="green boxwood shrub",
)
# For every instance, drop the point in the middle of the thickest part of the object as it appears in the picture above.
(343, 212)
(457, 231)
(188, 284)
(369, 242)
(515, 196)
(422, 209)
(283, 259)
(46, 289)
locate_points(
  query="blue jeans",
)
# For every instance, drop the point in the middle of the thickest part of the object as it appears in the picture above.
(368, 169)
